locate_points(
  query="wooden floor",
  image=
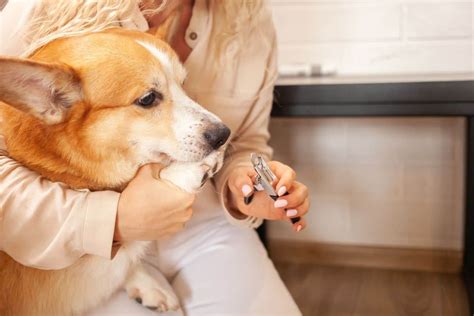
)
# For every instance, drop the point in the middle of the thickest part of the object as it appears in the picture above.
(341, 291)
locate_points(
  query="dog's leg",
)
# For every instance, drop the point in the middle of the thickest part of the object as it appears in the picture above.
(151, 289)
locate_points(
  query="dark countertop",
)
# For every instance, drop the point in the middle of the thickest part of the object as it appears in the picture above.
(431, 98)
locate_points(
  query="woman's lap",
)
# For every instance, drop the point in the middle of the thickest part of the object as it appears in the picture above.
(215, 269)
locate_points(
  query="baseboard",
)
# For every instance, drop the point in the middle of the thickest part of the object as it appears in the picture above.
(432, 260)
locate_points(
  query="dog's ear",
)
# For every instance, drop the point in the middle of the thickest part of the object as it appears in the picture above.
(46, 91)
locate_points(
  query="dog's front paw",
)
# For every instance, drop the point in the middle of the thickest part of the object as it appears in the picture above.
(153, 292)
(154, 298)
(214, 163)
(190, 176)
(186, 175)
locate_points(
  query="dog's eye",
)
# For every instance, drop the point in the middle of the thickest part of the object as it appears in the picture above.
(149, 99)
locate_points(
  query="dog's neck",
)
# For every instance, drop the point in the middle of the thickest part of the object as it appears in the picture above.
(57, 154)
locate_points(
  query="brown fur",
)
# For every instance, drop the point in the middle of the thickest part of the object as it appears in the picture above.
(71, 151)
(90, 148)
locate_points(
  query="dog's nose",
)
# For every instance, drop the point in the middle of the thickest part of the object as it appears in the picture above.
(217, 136)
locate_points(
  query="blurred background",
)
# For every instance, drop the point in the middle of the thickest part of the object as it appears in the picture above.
(386, 226)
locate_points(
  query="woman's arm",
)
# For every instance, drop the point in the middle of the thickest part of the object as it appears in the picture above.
(45, 225)
(48, 226)
(252, 136)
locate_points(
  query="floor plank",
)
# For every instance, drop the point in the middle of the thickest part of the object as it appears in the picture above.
(348, 291)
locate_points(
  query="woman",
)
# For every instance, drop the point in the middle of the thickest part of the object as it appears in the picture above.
(228, 49)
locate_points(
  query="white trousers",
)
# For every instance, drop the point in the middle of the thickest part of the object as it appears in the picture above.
(215, 268)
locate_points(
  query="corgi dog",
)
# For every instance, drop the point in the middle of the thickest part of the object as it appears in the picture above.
(88, 111)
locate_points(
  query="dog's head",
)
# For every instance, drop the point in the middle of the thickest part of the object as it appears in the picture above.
(112, 95)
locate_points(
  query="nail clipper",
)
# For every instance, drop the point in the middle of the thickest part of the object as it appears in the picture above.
(265, 178)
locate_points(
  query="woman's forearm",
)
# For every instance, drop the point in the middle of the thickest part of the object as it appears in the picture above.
(252, 136)
(45, 224)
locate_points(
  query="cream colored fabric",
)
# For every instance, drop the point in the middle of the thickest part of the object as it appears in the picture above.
(13, 20)
(44, 224)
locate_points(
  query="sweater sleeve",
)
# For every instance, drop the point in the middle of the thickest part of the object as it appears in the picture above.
(48, 226)
(253, 136)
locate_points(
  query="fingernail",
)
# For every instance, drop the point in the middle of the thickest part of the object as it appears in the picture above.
(298, 228)
(291, 213)
(281, 191)
(246, 189)
(281, 203)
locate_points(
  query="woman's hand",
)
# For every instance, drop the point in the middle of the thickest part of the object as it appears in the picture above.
(150, 208)
(295, 204)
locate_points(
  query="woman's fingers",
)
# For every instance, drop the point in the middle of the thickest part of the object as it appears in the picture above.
(300, 225)
(242, 184)
(171, 230)
(298, 211)
(296, 197)
(275, 215)
(286, 177)
(292, 204)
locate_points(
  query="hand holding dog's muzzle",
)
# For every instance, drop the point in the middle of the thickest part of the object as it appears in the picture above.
(150, 208)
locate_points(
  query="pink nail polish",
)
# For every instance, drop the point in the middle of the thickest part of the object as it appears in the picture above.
(281, 203)
(281, 191)
(291, 212)
(299, 228)
(246, 189)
